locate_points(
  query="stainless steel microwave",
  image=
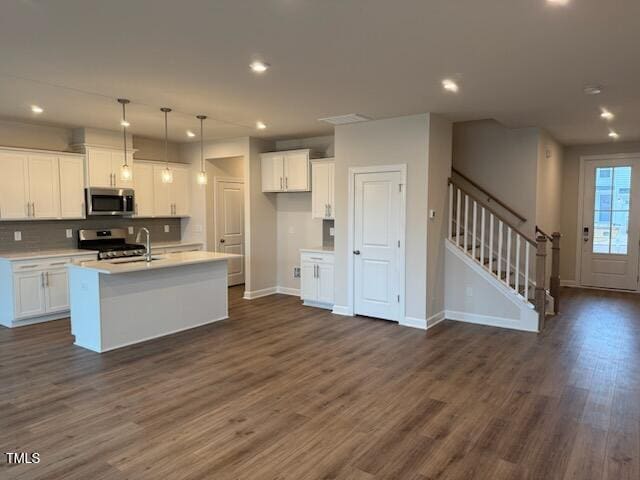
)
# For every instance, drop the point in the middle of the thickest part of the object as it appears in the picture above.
(110, 201)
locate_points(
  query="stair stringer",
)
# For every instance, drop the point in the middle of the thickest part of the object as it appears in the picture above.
(491, 303)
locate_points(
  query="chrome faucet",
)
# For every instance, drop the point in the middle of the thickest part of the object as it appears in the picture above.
(147, 246)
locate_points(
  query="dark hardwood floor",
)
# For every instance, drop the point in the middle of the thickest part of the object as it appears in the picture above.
(281, 391)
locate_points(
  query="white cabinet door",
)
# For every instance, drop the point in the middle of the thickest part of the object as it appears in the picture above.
(161, 196)
(29, 294)
(100, 168)
(71, 187)
(308, 282)
(143, 184)
(325, 282)
(296, 171)
(14, 186)
(56, 290)
(117, 160)
(179, 192)
(320, 190)
(44, 185)
(272, 170)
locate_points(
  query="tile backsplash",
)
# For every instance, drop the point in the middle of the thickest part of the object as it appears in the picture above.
(51, 234)
(327, 238)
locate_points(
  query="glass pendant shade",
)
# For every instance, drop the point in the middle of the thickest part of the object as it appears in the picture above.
(202, 178)
(125, 170)
(167, 175)
(125, 173)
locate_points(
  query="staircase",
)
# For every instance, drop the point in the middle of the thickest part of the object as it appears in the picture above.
(510, 256)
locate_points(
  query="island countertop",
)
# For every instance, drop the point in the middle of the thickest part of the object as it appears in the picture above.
(169, 260)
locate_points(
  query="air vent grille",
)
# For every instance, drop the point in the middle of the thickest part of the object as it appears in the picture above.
(345, 119)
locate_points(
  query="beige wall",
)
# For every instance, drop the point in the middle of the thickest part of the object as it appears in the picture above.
(549, 184)
(153, 149)
(570, 200)
(27, 135)
(503, 161)
(401, 140)
(440, 143)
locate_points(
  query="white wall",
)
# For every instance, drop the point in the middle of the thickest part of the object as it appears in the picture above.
(401, 140)
(440, 144)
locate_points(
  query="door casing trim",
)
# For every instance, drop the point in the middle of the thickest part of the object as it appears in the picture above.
(353, 171)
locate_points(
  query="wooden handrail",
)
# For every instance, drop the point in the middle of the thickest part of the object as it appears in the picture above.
(495, 214)
(490, 196)
(540, 231)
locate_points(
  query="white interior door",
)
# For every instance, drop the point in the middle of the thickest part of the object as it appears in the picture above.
(377, 221)
(610, 223)
(229, 225)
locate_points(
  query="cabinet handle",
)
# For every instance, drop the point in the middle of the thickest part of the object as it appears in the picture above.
(315, 275)
(329, 210)
(57, 263)
(28, 214)
(42, 279)
(136, 208)
(318, 267)
(33, 209)
(316, 258)
(47, 278)
(281, 185)
(286, 183)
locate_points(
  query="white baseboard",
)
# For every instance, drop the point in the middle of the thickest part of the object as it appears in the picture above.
(414, 322)
(433, 320)
(288, 291)
(568, 283)
(342, 310)
(486, 320)
(260, 293)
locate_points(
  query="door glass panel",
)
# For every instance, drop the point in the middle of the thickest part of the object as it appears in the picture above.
(611, 210)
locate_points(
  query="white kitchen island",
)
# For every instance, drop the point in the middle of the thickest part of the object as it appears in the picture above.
(114, 304)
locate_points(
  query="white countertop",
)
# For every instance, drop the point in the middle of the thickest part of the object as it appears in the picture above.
(318, 250)
(174, 244)
(168, 260)
(62, 252)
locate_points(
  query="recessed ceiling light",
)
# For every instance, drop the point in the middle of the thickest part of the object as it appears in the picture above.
(36, 109)
(558, 2)
(259, 67)
(190, 133)
(124, 123)
(449, 85)
(606, 114)
(592, 90)
(261, 125)
(613, 134)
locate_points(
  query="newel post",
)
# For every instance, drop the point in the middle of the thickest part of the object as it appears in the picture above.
(541, 294)
(554, 283)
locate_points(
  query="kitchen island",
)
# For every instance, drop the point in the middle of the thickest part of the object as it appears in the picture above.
(115, 303)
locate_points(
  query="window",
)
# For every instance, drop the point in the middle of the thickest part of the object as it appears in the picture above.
(611, 210)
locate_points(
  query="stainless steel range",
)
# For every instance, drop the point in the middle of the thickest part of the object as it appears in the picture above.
(110, 243)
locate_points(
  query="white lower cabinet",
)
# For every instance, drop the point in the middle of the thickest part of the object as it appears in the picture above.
(34, 291)
(316, 278)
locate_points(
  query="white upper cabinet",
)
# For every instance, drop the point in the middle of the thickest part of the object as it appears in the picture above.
(44, 186)
(322, 191)
(103, 167)
(143, 186)
(171, 199)
(179, 191)
(71, 187)
(285, 171)
(14, 186)
(161, 200)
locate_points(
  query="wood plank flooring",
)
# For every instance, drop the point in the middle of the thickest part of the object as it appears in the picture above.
(282, 391)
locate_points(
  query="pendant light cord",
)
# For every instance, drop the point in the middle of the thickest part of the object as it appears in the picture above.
(124, 133)
(166, 138)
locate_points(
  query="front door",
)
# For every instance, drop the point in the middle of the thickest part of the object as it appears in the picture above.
(611, 223)
(377, 223)
(229, 225)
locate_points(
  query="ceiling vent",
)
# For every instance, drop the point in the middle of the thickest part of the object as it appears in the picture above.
(345, 119)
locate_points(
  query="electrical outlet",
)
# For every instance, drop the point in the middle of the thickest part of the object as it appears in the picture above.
(166, 229)
(17, 236)
(469, 291)
(130, 229)
(296, 272)
(332, 232)
(69, 233)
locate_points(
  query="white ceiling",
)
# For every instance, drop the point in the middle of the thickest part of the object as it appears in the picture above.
(521, 62)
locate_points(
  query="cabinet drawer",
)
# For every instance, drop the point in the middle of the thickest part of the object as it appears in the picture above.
(312, 257)
(40, 264)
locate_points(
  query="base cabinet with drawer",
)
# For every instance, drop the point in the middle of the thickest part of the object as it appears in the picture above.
(316, 278)
(33, 291)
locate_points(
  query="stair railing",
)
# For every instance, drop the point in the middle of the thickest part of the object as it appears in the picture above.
(498, 246)
(554, 280)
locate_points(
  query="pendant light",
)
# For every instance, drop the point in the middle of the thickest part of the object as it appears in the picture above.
(125, 170)
(202, 175)
(167, 174)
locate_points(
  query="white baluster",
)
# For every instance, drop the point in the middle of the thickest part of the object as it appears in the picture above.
(475, 222)
(517, 263)
(450, 211)
(466, 221)
(482, 237)
(458, 217)
(500, 235)
(507, 279)
(526, 271)
(491, 242)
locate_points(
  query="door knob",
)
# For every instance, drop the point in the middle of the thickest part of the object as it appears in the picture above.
(356, 252)
(222, 240)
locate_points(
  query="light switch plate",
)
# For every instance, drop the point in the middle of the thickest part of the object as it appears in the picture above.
(332, 232)
(69, 233)
(197, 228)
(296, 272)
(166, 229)
(17, 236)
(130, 230)
(432, 213)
